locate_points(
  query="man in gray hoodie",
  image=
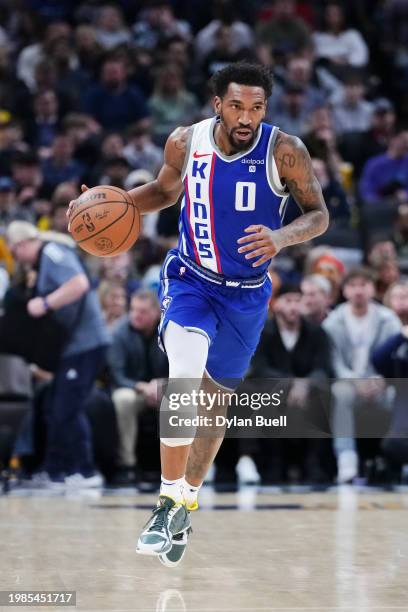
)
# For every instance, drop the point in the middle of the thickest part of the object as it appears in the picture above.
(355, 328)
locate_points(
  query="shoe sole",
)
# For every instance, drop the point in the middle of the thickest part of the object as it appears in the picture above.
(168, 562)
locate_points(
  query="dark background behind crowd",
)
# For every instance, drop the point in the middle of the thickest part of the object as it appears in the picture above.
(89, 92)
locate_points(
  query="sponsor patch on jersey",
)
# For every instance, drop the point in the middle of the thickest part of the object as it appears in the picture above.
(259, 162)
(166, 301)
(252, 168)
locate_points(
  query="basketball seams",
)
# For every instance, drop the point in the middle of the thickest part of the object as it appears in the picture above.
(107, 226)
(80, 212)
(113, 251)
(118, 190)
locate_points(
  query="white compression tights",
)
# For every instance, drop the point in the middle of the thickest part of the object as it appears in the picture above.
(187, 352)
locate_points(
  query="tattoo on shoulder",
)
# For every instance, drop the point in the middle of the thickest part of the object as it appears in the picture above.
(295, 169)
(290, 153)
(181, 137)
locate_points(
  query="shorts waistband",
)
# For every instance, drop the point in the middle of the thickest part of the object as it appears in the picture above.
(223, 281)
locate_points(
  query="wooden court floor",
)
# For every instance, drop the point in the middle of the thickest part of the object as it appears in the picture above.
(326, 552)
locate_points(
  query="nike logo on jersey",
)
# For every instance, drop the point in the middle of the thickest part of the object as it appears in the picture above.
(197, 155)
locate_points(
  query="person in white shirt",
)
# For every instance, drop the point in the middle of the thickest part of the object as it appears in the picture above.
(340, 45)
(356, 328)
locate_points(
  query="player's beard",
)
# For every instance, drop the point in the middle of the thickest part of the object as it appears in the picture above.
(236, 143)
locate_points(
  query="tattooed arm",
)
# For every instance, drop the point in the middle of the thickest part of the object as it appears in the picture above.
(165, 190)
(296, 171)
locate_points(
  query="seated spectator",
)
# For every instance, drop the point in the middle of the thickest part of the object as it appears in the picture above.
(84, 133)
(63, 194)
(116, 169)
(120, 269)
(136, 179)
(385, 176)
(44, 126)
(299, 71)
(224, 13)
(355, 328)
(61, 166)
(400, 236)
(113, 299)
(353, 113)
(171, 104)
(320, 140)
(10, 210)
(27, 176)
(11, 143)
(88, 50)
(111, 29)
(382, 258)
(141, 152)
(113, 102)
(14, 94)
(316, 298)
(291, 347)
(31, 55)
(291, 113)
(286, 33)
(321, 260)
(340, 45)
(396, 298)
(224, 52)
(157, 21)
(359, 146)
(136, 362)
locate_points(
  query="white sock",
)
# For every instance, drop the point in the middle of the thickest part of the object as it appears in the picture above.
(172, 488)
(190, 492)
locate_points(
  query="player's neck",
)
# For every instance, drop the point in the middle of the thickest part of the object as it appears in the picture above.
(223, 142)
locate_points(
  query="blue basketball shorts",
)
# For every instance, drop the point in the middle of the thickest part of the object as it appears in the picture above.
(231, 317)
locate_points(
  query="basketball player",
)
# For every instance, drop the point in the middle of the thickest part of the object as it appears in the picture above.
(235, 173)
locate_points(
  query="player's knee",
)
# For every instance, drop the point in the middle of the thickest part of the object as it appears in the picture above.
(124, 399)
(176, 441)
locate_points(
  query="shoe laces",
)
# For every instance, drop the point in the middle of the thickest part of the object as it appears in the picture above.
(160, 521)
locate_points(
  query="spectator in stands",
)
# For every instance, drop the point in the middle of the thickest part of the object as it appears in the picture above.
(320, 140)
(334, 194)
(400, 235)
(141, 152)
(390, 359)
(385, 176)
(136, 363)
(338, 44)
(224, 13)
(355, 328)
(291, 114)
(286, 33)
(171, 104)
(116, 170)
(113, 299)
(396, 298)
(62, 286)
(224, 52)
(10, 210)
(113, 102)
(28, 177)
(157, 21)
(290, 347)
(111, 30)
(316, 297)
(14, 94)
(353, 113)
(45, 124)
(357, 147)
(88, 50)
(63, 194)
(31, 55)
(61, 166)
(383, 260)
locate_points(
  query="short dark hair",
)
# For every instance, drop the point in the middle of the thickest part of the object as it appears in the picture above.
(243, 73)
(361, 272)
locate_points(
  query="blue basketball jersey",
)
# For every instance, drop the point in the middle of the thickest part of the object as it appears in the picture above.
(224, 195)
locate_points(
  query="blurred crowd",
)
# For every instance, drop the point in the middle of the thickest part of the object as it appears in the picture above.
(89, 92)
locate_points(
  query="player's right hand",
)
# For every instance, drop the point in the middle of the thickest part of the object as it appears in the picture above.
(72, 204)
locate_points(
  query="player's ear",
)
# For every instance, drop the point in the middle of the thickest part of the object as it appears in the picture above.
(217, 105)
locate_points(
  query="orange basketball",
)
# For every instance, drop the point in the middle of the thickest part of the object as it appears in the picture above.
(104, 221)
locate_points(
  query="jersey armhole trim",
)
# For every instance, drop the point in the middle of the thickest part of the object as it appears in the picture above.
(271, 168)
(187, 154)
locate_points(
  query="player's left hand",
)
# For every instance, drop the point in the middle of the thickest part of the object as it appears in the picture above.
(260, 242)
(36, 307)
